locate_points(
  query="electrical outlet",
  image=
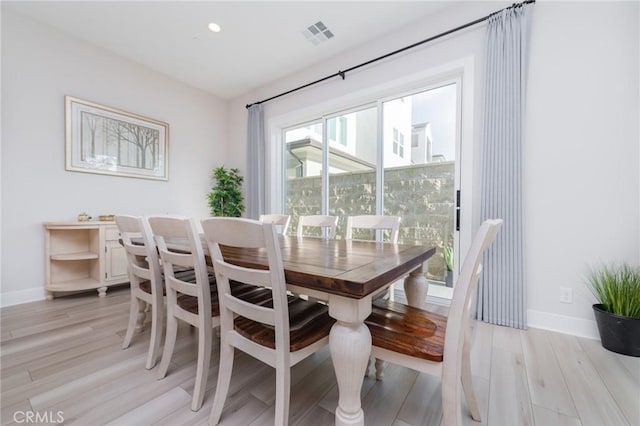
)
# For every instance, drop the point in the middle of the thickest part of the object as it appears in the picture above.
(566, 295)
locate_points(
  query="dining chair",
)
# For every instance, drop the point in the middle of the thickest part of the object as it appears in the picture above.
(187, 300)
(432, 343)
(280, 220)
(376, 222)
(328, 223)
(280, 333)
(147, 283)
(193, 300)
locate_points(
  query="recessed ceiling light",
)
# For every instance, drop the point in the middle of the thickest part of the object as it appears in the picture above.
(214, 27)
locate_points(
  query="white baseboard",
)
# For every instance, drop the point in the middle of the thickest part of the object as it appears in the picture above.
(11, 298)
(563, 324)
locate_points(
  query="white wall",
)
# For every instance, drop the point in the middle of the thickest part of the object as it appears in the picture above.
(582, 182)
(582, 169)
(41, 65)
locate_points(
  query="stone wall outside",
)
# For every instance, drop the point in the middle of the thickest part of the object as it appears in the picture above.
(422, 195)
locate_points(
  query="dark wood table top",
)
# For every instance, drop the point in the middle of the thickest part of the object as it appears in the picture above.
(343, 267)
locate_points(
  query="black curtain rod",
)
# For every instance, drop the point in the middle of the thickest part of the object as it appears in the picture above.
(342, 74)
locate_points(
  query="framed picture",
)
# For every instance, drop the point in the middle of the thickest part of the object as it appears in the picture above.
(108, 141)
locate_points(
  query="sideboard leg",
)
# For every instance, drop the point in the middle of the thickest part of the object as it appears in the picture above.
(102, 291)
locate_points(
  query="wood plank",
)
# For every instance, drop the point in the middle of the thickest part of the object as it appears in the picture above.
(385, 398)
(546, 384)
(594, 403)
(481, 388)
(544, 416)
(317, 416)
(509, 398)
(632, 364)
(155, 409)
(423, 405)
(624, 387)
(304, 395)
(265, 389)
(481, 349)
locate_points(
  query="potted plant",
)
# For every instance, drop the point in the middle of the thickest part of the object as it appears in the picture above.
(447, 253)
(225, 198)
(617, 288)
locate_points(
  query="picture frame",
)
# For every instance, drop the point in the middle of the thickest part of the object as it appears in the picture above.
(104, 140)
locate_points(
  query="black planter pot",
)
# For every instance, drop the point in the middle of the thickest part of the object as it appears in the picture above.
(618, 334)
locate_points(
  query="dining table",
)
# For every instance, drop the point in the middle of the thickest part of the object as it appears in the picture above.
(346, 275)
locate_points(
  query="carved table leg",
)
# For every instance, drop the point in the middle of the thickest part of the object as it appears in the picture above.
(416, 287)
(102, 291)
(350, 345)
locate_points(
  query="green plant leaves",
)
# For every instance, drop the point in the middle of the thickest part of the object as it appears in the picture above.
(617, 288)
(225, 198)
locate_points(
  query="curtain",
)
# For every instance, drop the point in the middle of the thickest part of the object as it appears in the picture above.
(501, 295)
(255, 179)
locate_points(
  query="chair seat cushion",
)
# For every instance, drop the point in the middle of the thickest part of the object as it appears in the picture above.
(184, 275)
(407, 330)
(146, 287)
(308, 323)
(242, 291)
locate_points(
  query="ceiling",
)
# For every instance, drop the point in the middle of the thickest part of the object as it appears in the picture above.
(260, 41)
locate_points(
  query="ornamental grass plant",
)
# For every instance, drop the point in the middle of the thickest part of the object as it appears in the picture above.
(617, 288)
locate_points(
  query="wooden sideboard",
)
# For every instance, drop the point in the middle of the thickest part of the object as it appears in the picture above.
(83, 256)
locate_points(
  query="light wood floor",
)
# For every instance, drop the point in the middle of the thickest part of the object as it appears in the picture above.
(65, 355)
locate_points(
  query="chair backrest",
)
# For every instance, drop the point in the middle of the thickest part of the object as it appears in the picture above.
(180, 248)
(328, 223)
(142, 256)
(458, 319)
(377, 222)
(249, 234)
(280, 220)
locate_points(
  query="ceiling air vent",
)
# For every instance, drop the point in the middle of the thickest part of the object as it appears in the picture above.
(317, 33)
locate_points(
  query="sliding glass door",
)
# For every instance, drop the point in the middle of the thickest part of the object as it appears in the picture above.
(397, 156)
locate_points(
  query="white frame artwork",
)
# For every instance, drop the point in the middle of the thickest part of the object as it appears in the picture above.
(108, 141)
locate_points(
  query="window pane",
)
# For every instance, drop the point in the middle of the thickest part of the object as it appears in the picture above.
(352, 166)
(419, 180)
(304, 168)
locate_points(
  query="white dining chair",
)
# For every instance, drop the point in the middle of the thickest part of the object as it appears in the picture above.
(187, 300)
(326, 224)
(194, 300)
(147, 283)
(375, 222)
(280, 220)
(280, 333)
(432, 343)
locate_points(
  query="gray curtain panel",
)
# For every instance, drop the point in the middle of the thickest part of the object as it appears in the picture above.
(255, 179)
(501, 295)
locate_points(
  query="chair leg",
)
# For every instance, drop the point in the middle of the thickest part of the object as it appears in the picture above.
(157, 320)
(202, 371)
(380, 366)
(467, 382)
(169, 345)
(133, 315)
(283, 391)
(224, 380)
(451, 407)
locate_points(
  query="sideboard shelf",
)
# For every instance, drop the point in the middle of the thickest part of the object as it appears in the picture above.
(83, 256)
(75, 256)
